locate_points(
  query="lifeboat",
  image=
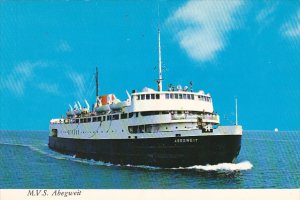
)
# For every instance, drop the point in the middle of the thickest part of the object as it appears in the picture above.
(118, 105)
(104, 108)
(70, 112)
(77, 112)
(103, 103)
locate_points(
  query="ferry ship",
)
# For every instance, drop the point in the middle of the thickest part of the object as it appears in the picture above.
(173, 128)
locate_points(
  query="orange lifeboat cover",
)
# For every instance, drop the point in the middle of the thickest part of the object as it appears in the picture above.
(104, 98)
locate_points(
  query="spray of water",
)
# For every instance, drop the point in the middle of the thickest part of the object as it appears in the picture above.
(245, 165)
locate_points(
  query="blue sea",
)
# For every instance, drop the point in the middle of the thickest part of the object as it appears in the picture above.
(267, 160)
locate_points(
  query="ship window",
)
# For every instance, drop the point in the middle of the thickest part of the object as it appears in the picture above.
(152, 96)
(192, 96)
(94, 119)
(176, 96)
(165, 112)
(133, 129)
(143, 97)
(103, 118)
(180, 96)
(157, 96)
(130, 115)
(77, 120)
(188, 96)
(88, 119)
(81, 120)
(148, 128)
(141, 129)
(115, 117)
(147, 96)
(124, 116)
(172, 96)
(184, 96)
(136, 114)
(108, 117)
(167, 96)
(98, 119)
(54, 132)
(130, 129)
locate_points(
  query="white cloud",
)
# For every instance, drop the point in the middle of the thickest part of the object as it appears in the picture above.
(78, 82)
(63, 47)
(21, 74)
(265, 14)
(291, 29)
(203, 26)
(49, 88)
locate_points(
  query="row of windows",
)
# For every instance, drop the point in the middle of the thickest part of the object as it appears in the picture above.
(148, 128)
(204, 98)
(187, 96)
(173, 96)
(129, 115)
(148, 96)
(104, 118)
(142, 128)
(117, 116)
(180, 96)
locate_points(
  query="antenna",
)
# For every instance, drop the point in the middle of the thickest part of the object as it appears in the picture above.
(96, 81)
(236, 111)
(159, 64)
(159, 81)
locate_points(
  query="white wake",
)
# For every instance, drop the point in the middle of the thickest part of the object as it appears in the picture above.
(245, 165)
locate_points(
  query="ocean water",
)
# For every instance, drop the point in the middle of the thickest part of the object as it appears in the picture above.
(267, 160)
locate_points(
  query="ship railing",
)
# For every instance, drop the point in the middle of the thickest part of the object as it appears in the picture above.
(57, 121)
(213, 118)
(204, 117)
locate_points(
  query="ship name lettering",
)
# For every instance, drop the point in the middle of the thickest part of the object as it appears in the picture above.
(192, 140)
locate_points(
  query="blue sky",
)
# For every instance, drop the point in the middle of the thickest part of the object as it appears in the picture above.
(248, 49)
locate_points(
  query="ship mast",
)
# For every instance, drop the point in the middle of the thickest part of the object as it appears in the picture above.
(159, 81)
(96, 81)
